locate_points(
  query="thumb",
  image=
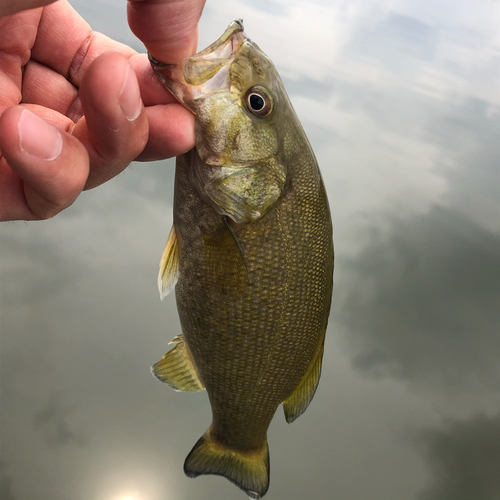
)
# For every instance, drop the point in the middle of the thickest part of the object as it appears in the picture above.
(8, 7)
(168, 28)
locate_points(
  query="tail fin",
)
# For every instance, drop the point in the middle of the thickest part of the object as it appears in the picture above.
(249, 470)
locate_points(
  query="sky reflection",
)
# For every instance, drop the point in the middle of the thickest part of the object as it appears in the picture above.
(401, 103)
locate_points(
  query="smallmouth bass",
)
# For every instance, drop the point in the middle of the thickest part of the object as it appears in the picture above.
(250, 255)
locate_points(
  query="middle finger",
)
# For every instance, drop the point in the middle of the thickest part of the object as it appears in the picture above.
(115, 127)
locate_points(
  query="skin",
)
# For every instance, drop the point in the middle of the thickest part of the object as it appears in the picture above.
(76, 110)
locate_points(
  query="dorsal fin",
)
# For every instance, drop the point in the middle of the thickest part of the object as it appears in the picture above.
(169, 265)
(299, 400)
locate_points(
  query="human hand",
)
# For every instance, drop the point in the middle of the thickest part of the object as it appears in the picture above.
(71, 111)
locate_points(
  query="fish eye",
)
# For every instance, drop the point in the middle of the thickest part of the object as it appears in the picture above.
(258, 101)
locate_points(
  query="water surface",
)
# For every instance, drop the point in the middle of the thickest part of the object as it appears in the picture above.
(401, 103)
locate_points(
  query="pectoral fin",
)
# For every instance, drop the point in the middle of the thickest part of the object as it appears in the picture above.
(224, 259)
(177, 368)
(299, 400)
(169, 265)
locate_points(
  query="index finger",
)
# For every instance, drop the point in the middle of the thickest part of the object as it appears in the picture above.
(168, 28)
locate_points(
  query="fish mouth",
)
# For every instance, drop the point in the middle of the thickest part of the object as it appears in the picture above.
(203, 72)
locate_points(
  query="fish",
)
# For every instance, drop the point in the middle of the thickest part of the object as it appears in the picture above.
(250, 256)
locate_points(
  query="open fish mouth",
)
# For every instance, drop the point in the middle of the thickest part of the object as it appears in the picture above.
(203, 72)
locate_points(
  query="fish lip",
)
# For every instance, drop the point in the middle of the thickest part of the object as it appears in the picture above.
(186, 80)
(213, 50)
(233, 29)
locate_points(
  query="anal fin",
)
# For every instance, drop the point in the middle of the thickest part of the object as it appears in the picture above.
(169, 265)
(299, 400)
(177, 368)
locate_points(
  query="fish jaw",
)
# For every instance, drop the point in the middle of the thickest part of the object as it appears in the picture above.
(204, 72)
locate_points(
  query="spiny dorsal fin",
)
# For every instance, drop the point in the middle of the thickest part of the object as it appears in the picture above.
(299, 400)
(169, 265)
(249, 470)
(177, 368)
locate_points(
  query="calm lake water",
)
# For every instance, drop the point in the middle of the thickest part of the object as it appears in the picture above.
(401, 102)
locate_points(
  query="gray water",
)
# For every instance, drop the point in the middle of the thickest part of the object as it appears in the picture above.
(401, 102)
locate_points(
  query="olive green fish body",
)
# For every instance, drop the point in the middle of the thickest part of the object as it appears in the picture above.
(252, 252)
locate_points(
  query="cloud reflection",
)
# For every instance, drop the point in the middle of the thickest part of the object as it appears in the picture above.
(400, 38)
(52, 421)
(463, 458)
(422, 302)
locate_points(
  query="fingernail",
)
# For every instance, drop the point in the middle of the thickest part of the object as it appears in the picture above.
(130, 97)
(37, 137)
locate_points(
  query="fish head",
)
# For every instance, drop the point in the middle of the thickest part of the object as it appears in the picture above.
(237, 96)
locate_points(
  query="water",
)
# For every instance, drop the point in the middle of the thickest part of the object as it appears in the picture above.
(401, 103)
